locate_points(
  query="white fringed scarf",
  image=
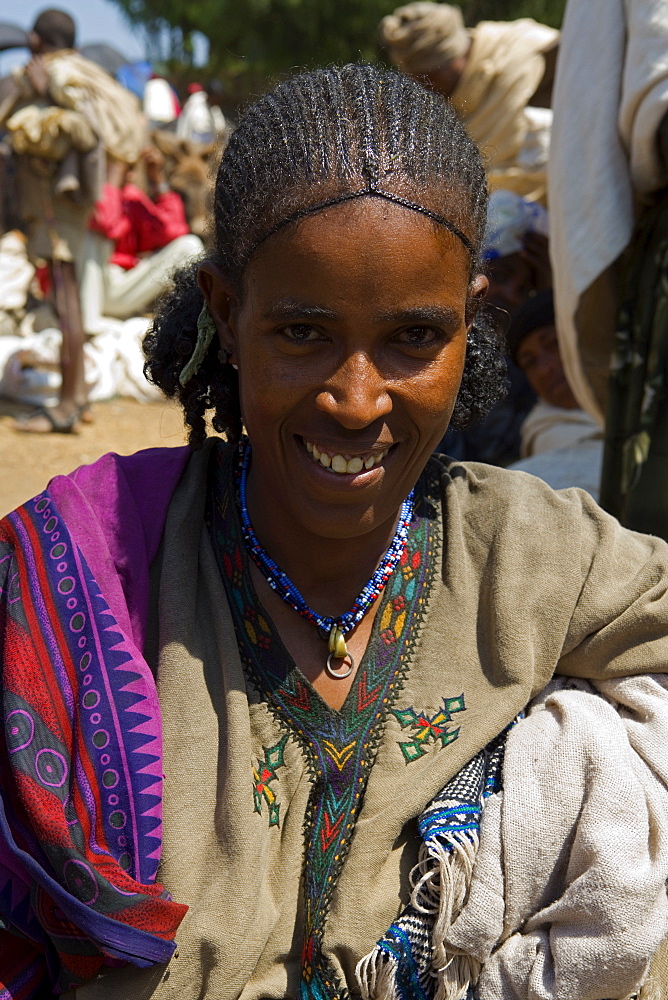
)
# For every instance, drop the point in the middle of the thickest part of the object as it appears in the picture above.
(560, 891)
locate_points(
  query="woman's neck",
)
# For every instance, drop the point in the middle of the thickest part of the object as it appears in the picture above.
(329, 572)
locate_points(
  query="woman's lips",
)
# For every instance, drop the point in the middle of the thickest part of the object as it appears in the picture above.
(343, 464)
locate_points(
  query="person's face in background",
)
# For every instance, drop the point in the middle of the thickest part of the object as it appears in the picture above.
(35, 43)
(510, 282)
(539, 358)
(516, 276)
(443, 80)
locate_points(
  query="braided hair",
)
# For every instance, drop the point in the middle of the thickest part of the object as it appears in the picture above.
(320, 138)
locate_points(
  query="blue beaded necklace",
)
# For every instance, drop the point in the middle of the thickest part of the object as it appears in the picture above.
(332, 629)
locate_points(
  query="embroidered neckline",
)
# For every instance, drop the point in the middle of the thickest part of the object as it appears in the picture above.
(339, 746)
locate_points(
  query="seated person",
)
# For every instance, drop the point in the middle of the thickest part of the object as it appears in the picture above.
(560, 443)
(518, 266)
(516, 250)
(150, 235)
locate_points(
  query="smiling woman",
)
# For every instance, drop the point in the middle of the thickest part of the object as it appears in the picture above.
(286, 673)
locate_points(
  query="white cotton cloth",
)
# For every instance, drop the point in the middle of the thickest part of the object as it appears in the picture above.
(509, 218)
(195, 123)
(546, 427)
(567, 898)
(16, 271)
(611, 93)
(109, 291)
(113, 364)
(578, 465)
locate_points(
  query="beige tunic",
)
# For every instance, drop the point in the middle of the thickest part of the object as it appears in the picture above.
(530, 581)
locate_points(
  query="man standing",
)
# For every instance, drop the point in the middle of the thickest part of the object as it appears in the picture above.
(497, 76)
(609, 241)
(62, 116)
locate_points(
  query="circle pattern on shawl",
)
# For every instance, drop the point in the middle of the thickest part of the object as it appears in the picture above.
(91, 699)
(100, 738)
(20, 730)
(110, 778)
(51, 768)
(81, 881)
(77, 622)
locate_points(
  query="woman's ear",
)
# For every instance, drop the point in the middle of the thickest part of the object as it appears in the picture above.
(477, 294)
(223, 302)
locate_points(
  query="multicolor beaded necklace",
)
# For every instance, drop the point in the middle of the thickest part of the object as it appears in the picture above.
(332, 629)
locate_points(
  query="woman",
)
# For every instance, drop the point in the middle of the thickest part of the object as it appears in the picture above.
(335, 316)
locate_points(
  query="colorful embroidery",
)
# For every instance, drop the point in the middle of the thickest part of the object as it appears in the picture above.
(428, 729)
(339, 747)
(263, 775)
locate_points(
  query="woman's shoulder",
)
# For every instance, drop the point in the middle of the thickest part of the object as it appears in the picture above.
(492, 501)
(113, 512)
(491, 485)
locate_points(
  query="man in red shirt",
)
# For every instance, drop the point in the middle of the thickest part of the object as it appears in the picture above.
(150, 236)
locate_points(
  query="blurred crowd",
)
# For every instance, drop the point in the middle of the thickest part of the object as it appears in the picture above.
(573, 127)
(105, 195)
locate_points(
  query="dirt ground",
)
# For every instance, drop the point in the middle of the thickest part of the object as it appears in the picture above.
(28, 461)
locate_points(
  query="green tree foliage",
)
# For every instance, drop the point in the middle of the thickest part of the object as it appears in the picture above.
(253, 40)
(547, 11)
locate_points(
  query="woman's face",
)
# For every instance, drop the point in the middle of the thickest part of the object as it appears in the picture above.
(350, 338)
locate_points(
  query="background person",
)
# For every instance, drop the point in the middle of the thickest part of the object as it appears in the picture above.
(518, 267)
(609, 211)
(150, 237)
(497, 76)
(62, 115)
(560, 443)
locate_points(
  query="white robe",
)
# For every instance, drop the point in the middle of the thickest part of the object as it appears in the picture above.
(610, 96)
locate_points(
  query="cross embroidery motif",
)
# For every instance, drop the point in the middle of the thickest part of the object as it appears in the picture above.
(428, 729)
(263, 775)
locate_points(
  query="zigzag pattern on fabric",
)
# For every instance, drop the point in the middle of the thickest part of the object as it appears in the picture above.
(81, 796)
(339, 747)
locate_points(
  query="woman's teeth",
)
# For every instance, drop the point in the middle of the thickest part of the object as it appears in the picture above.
(344, 466)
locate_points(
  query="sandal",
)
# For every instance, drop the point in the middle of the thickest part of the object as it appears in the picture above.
(85, 413)
(57, 424)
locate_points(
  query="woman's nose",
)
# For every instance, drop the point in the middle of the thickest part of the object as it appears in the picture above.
(356, 394)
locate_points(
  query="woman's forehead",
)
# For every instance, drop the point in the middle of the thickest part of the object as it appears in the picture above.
(366, 240)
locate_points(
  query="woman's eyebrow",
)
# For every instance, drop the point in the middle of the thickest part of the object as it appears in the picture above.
(288, 309)
(443, 316)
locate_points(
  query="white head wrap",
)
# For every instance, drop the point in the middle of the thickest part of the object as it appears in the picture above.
(423, 36)
(509, 218)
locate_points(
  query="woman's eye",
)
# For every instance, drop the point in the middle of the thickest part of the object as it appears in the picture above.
(420, 336)
(300, 333)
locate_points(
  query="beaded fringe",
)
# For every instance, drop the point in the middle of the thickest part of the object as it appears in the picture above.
(441, 881)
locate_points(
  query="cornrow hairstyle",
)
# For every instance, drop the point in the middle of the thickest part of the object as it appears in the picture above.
(318, 139)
